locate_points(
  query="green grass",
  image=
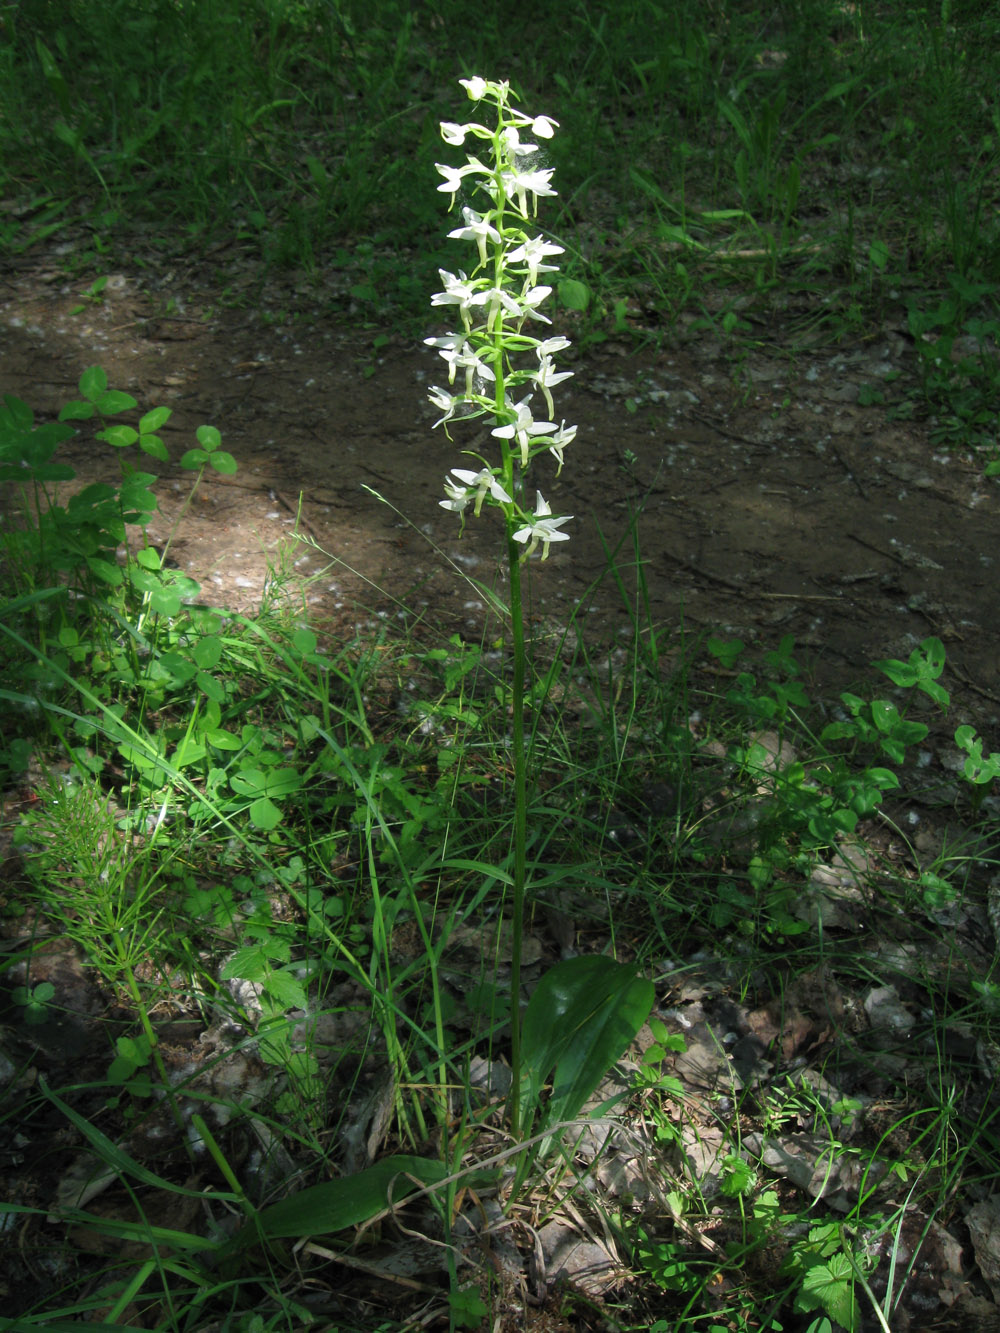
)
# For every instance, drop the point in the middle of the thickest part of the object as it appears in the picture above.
(306, 835)
(836, 151)
(800, 168)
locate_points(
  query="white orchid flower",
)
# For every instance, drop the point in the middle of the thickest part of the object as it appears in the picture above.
(458, 497)
(478, 229)
(458, 291)
(475, 87)
(496, 299)
(517, 185)
(550, 345)
(474, 366)
(532, 252)
(547, 377)
(558, 442)
(444, 402)
(475, 486)
(531, 299)
(514, 146)
(544, 126)
(542, 528)
(503, 293)
(523, 429)
(453, 134)
(457, 352)
(451, 347)
(454, 177)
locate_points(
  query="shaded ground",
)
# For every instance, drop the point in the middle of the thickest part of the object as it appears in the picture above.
(773, 503)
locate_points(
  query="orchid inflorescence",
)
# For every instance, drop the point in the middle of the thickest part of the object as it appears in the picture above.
(494, 305)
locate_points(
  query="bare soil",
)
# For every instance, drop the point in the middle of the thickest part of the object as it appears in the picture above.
(772, 502)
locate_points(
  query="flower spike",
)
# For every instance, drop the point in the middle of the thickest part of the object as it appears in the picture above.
(494, 305)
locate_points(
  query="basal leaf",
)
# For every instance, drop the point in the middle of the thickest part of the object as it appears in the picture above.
(338, 1204)
(581, 1018)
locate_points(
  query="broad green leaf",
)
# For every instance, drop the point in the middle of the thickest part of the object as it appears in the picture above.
(144, 580)
(189, 751)
(212, 688)
(222, 740)
(207, 651)
(287, 990)
(264, 814)
(725, 650)
(165, 602)
(208, 437)
(37, 472)
(105, 571)
(251, 963)
(224, 463)
(283, 781)
(76, 411)
(42, 443)
(193, 459)
(338, 1204)
(154, 446)
(582, 1016)
(148, 558)
(178, 667)
(16, 414)
(153, 420)
(114, 401)
(304, 641)
(120, 436)
(885, 714)
(831, 1285)
(573, 294)
(923, 668)
(120, 1070)
(93, 383)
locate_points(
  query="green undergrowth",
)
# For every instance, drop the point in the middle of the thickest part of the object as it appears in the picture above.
(720, 166)
(297, 837)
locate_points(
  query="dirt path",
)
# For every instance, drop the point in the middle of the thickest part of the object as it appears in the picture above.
(773, 503)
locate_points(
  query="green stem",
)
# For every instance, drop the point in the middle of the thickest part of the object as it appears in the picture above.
(520, 827)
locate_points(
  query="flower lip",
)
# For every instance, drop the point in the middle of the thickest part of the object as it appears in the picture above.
(523, 429)
(542, 527)
(475, 87)
(473, 487)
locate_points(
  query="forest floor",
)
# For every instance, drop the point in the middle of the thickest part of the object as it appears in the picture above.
(770, 502)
